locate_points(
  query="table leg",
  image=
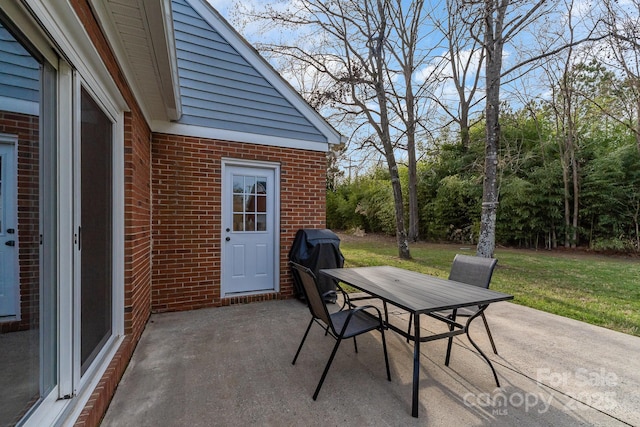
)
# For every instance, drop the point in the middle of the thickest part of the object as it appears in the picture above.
(416, 365)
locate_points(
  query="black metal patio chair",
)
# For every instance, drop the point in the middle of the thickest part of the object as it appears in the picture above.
(471, 270)
(476, 271)
(348, 322)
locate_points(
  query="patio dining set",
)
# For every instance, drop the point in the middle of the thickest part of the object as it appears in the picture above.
(465, 294)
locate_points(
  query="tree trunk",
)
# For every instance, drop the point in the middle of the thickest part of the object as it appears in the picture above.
(401, 232)
(576, 198)
(638, 118)
(465, 137)
(414, 218)
(568, 155)
(567, 196)
(493, 45)
(637, 225)
(384, 132)
(414, 211)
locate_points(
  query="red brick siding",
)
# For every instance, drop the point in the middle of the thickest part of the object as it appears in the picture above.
(187, 215)
(137, 193)
(137, 250)
(26, 128)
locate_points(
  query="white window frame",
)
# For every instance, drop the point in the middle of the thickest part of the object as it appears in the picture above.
(117, 167)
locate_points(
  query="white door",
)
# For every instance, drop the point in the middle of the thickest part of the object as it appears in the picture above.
(8, 234)
(248, 229)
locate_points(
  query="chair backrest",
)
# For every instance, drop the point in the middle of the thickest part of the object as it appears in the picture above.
(315, 301)
(472, 270)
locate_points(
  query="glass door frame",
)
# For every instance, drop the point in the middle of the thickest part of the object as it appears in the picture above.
(58, 35)
(81, 381)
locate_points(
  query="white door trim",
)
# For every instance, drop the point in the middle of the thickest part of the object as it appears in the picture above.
(275, 167)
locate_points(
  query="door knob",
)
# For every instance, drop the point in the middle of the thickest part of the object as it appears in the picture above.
(227, 239)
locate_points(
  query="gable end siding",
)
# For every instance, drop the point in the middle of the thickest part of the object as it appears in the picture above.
(220, 89)
(20, 77)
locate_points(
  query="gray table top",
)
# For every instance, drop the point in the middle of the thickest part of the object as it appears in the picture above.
(415, 292)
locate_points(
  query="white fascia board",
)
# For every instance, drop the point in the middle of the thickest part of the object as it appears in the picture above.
(65, 28)
(160, 23)
(112, 35)
(160, 20)
(253, 57)
(234, 136)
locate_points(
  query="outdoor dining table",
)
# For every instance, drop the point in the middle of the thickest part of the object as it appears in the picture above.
(421, 294)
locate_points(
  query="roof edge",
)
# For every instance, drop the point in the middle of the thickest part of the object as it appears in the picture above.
(180, 129)
(160, 20)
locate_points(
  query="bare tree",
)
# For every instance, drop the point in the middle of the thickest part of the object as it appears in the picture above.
(495, 30)
(465, 59)
(350, 50)
(367, 53)
(405, 46)
(564, 103)
(499, 22)
(622, 25)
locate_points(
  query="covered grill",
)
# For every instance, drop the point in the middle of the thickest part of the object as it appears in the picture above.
(316, 249)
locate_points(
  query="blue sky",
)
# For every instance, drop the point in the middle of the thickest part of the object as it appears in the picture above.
(532, 85)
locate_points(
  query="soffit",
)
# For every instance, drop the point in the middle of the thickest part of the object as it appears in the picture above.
(141, 35)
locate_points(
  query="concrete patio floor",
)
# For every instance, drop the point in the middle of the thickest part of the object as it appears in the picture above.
(231, 366)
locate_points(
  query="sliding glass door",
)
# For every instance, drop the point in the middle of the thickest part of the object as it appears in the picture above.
(61, 227)
(95, 229)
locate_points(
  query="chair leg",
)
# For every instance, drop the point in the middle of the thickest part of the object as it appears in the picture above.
(302, 342)
(326, 368)
(355, 344)
(486, 326)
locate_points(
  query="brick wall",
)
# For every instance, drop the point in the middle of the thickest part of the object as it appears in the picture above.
(26, 128)
(187, 215)
(137, 193)
(137, 251)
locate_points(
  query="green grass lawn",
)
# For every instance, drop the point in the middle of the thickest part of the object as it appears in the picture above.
(601, 290)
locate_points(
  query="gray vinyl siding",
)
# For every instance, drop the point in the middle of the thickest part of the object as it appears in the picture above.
(220, 89)
(19, 72)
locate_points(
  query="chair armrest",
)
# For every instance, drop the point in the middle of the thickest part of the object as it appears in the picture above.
(345, 297)
(362, 308)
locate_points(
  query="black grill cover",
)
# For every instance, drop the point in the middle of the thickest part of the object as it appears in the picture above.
(316, 249)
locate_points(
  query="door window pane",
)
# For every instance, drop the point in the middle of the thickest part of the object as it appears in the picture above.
(96, 229)
(249, 203)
